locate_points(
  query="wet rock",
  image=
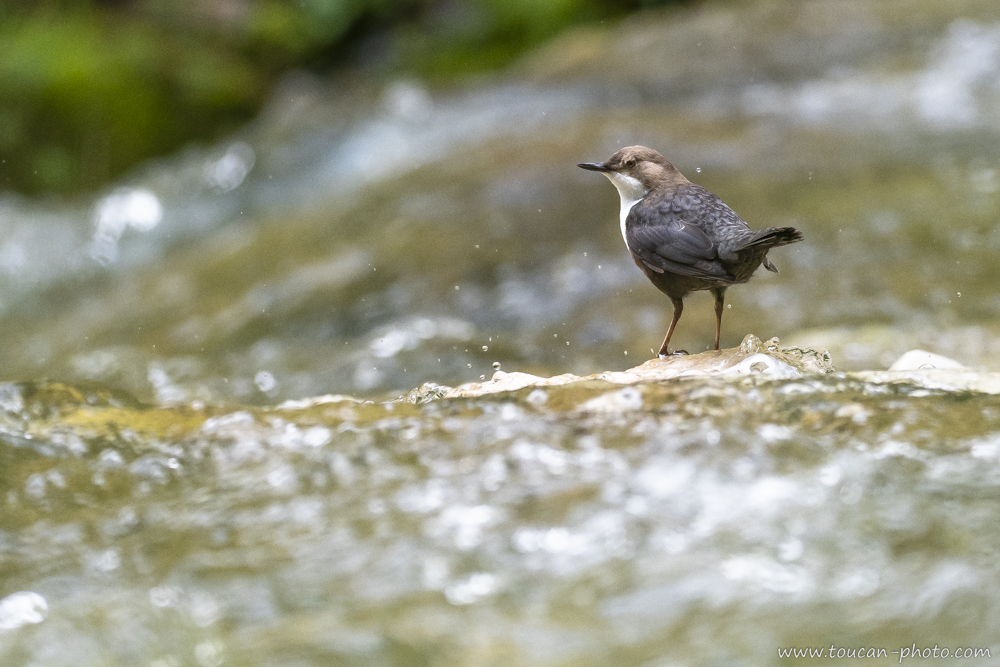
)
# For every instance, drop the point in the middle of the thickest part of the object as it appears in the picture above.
(916, 360)
(948, 380)
(752, 357)
(878, 346)
(934, 371)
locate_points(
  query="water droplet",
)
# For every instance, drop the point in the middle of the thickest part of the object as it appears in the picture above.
(485, 348)
(959, 294)
(729, 305)
(567, 342)
(468, 365)
(482, 377)
(456, 288)
(265, 381)
(496, 365)
(555, 335)
(698, 170)
(626, 353)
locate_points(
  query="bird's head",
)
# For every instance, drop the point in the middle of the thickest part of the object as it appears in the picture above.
(635, 170)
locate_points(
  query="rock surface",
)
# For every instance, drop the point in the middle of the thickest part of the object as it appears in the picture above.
(752, 357)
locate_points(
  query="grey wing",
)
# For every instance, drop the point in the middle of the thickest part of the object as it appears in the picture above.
(670, 244)
(694, 202)
(731, 232)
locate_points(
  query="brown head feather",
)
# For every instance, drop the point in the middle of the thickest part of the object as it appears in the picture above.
(646, 165)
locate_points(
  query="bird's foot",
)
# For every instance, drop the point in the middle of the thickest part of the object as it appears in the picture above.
(675, 353)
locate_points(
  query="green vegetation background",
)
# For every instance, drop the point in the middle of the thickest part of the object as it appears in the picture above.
(89, 88)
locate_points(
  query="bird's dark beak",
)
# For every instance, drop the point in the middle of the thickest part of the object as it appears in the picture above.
(593, 166)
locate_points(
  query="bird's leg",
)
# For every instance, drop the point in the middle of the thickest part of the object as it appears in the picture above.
(720, 298)
(678, 309)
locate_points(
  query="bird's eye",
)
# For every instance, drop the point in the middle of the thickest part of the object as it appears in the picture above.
(629, 163)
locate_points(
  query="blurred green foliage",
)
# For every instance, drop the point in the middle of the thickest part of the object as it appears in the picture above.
(88, 88)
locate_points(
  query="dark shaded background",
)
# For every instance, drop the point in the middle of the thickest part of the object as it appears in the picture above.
(88, 89)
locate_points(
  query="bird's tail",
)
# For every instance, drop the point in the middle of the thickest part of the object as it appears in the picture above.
(772, 237)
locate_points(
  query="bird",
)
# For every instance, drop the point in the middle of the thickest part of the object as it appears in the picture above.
(683, 237)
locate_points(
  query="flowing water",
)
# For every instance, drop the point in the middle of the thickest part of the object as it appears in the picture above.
(174, 494)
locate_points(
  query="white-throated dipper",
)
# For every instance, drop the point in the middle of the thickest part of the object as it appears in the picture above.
(682, 236)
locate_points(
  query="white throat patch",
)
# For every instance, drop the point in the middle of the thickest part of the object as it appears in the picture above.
(631, 192)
